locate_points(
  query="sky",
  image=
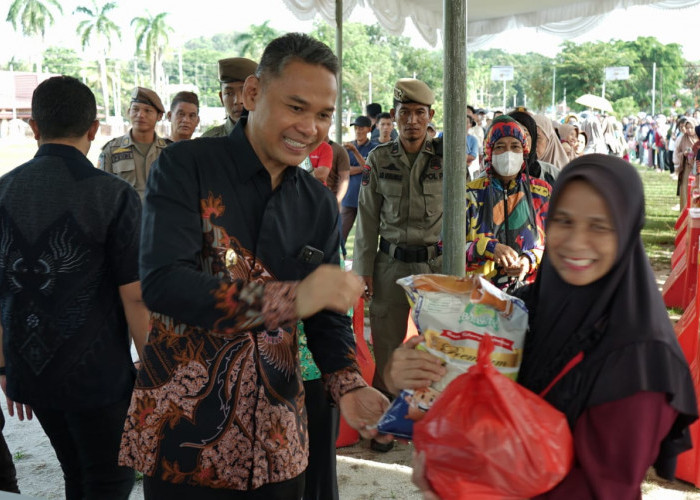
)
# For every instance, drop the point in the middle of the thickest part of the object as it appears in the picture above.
(209, 18)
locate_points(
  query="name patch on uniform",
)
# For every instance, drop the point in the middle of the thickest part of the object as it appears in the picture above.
(390, 177)
(433, 176)
(365, 174)
(390, 166)
(126, 155)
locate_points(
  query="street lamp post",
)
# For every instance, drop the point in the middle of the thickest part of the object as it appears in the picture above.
(554, 84)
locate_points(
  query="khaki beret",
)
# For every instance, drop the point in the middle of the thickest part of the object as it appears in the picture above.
(147, 96)
(235, 69)
(412, 90)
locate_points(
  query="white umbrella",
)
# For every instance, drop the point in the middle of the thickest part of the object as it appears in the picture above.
(595, 101)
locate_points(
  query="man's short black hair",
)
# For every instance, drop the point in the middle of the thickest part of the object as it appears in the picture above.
(381, 116)
(184, 96)
(63, 106)
(373, 110)
(295, 47)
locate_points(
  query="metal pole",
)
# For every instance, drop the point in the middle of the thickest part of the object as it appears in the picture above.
(339, 55)
(653, 90)
(179, 62)
(504, 96)
(370, 87)
(454, 217)
(14, 92)
(554, 86)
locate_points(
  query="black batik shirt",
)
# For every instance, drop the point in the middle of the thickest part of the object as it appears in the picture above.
(219, 399)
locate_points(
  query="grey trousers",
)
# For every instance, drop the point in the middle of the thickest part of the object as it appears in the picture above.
(388, 310)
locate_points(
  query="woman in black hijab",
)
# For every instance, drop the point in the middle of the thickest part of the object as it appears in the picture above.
(537, 168)
(601, 348)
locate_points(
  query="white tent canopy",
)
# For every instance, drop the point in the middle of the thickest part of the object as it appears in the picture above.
(566, 18)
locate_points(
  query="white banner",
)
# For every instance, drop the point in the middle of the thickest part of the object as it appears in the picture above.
(501, 73)
(617, 73)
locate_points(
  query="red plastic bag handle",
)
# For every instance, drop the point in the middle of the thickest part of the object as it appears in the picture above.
(572, 362)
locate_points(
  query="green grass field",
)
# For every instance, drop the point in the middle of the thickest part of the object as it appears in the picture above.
(659, 232)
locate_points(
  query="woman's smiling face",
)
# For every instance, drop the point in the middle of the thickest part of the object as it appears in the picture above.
(581, 235)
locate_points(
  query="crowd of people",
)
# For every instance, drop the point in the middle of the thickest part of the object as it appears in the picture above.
(220, 260)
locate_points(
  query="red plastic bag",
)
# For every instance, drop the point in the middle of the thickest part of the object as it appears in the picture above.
(487, 437)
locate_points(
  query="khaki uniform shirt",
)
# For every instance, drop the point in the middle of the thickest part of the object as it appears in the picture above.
(120, 157)
(399, 202)
(220, 130)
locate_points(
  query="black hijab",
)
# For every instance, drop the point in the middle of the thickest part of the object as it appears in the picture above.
(619, 322)
(521, 116)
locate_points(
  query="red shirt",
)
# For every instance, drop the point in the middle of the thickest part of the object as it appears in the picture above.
(322, 156)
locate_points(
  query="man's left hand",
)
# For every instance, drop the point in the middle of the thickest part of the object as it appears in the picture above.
(363, 407)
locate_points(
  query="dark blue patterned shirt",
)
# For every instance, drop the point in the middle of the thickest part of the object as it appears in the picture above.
(69, 236)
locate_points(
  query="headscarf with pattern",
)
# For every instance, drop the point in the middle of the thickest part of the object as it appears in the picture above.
(503, 126)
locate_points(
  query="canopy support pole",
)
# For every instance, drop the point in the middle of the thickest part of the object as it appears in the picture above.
(339, 55)
(455, 133)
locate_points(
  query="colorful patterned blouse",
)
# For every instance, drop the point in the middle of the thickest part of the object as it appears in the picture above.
(498, 215)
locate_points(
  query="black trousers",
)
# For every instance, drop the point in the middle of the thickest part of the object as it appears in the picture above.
(8, 474)
(157, 489)
(324, 418)
(87, 446)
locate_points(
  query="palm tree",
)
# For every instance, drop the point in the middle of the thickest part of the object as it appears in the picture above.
(100, 29)
(252, 43)
(32, 17)
(152, 35)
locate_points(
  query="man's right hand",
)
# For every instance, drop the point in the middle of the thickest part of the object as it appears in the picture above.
(11, 405)
(369, 288)
(328, 287)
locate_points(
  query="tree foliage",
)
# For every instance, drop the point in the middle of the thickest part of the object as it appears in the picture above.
(62, 61)
(252, 42)
(99, 30)
(32, 16)
(152, 36)
(369, 50)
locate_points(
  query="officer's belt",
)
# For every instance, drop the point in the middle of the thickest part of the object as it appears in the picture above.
(409, 255)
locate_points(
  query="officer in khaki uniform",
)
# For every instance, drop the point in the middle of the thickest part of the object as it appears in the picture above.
(232, 74)
(400, 205)
(131, 156)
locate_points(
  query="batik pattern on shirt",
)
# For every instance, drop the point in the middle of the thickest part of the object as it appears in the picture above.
(219, 399)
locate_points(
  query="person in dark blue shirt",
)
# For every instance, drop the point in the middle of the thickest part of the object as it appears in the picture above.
(358, 150)
(70, 293)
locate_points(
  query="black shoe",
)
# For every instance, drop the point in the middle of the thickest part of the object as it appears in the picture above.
(381, 447)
